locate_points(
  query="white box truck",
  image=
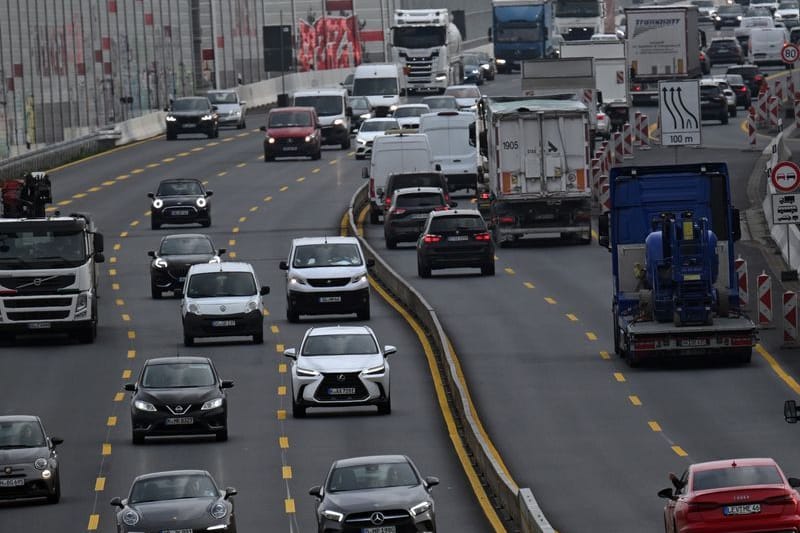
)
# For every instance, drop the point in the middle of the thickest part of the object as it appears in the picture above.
(538, 176)
(452, 147)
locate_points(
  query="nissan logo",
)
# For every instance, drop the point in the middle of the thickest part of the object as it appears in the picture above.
(377, 518)
(341, 377)
(178, 409)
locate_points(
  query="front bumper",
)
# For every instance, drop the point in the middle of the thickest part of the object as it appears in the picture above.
(163, 423)
(329, 302)
(402, 521)
(291, 148)
(327, 390)
(181, 214)
(45, 313)
(33, 484)
(168, 279)
(244, 324)
(180, 126)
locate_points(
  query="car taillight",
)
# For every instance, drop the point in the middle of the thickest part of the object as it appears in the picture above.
(387, 202)
(483, 236)
(506, 220)
(700, 507)
(398, 211)
(372, 186)
(637, 88)
(484, 196)
(781, 499)
(431, 238)
(759, 78)
(742, 89)
(583, 216)
(441, 208)
(601, 116)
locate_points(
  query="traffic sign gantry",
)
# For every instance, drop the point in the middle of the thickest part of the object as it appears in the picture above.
(790, 53)
(679, 112)
(785, 176)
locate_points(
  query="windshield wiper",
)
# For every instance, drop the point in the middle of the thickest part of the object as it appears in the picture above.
(62, 258)
(16, 260)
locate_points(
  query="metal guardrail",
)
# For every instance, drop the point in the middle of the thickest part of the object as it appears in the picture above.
(518, 505)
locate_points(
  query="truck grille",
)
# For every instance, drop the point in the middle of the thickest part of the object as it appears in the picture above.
(37, 284)
(13, 303)
(38, 315)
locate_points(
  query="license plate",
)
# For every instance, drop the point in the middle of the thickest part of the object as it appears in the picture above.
(16, 482)
(381, 529)
(420, 215)
(223, 323)
(39, 325)
(458, 238)
(179, 212)
(176, 531)
(329, 299)
(751, 508)
(341, 391)
(190, 125)
(290, 148)
(693, 343)
(179, 421)
(182, 279)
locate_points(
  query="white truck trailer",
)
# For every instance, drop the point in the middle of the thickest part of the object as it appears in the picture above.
(538, 175)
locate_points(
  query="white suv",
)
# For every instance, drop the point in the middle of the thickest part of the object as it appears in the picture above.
(340, 366)
(326, 275)
(222, 300)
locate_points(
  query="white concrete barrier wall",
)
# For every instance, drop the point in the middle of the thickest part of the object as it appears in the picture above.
(786, 236)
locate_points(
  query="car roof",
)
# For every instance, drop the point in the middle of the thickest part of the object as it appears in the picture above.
(463, 86)
(456, 212)
(730, 463)
(411, 105)
(371, 460)
(301, 241)
(225, 91)
(171, 360)
(170, 473)
(415, 190)
(190, 98)
(381, 119)
(338, 330)
(19, 418)
(322, 91)
(439, 97)
(176, 180)
(224, 266)
(718, 39)
(185, 236)
(307, 109)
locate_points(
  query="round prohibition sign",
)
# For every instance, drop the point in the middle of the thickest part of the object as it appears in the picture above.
(785, 176)
(790, 53)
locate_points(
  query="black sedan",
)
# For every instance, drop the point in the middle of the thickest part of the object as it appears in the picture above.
(193, 114)
(381, 493)
(455, 239)
(728, 15)
(180, 201)
(28, 460)
(724, 50)
(182, 501)
(473, 73)
(179, 396)
(713, 104)
(174, 256)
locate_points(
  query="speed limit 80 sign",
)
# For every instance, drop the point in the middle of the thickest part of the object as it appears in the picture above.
(790, 53)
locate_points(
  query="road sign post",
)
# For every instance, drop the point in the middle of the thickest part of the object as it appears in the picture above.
(785, 177)
(679, 111)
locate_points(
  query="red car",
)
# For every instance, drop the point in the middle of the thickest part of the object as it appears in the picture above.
(292, 132)
(732, 496)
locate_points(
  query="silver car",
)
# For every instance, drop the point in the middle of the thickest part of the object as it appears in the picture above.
(230, 109)
(340, 366)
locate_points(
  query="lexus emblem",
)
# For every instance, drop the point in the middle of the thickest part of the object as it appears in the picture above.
(178, 408)
(341, 377)
(222, 308)
(7, 470)
(377, 518)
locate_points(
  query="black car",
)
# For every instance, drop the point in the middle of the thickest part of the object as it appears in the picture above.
(753, 77)
(179, 396)
(441, 102)
(713, 104)
(174, 256)
(424, 178)
(361, 111)
(740, 89)
(180, 201)
(409, 211)
(28, 460)
(193, 114)
(472, 71)
(724, 50)
(179, 501)
(378, 493)
(455, 239)
(487, 64)
(728, 15)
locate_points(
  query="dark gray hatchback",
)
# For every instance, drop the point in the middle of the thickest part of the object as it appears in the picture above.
(28, 460)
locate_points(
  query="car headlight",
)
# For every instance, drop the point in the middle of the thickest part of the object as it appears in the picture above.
(144, 406)
(46, 474)
(307, 372)
(271, 140)
(366, 116)
(295, 280)
(193, 309)
(212, 404)
(310, 138)
(170, 118)
(338, 122)
(160, 262)
(500, 61)
(420, 508)
(392, 107)
(332, 515)
(207, 117)
(252, 305)
(201, 202)
(219, 510)
(357, 278)
(40, 463)
(380, 369)
(130, 517)
(474, 71)
(441, 77)
(361, 141)
(738, 17)
(237, 113)
(158, 203)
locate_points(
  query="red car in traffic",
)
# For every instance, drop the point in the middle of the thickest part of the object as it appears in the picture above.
(292, 132)
(732, 496)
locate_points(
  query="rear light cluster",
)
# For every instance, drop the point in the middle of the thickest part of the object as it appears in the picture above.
(430, 238)
(736, 340)
(583, 216)
(506, 219)
(601, 116)
(483, 237)
(441, 208)
(398, 211)
(387, 202)
(742, 89)
(484, 196)
(637, 88)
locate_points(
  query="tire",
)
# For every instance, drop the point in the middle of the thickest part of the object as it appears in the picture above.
(744, 356)
(298, 411)
(188, 340)
(391, 243)
(374, 216)
(56, 496)
(423, 269)
(385, 408)
(137, 438)
(363, 313)
(346, 144)
(292, 315)
(724, 118)
(258, 338)
(155, 292)
(87, 334)
(615, 329)
(488, 269)
(154, 224)
(632, 359)
(732, 111)
(317, 156)
(222, 435)
(206, 223)
(359, 156)
(171, 136)
(267, 157)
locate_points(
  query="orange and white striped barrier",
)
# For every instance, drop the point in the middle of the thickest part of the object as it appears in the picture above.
(637, 128)
(790, 319)
(778, 89)
(751, 127)
(644, 132)
(773, 104)
(797, 109)
(764, 284)
(619, 149)
(595, 173)
(761, 108)
(740, 266)
(627, 141)
(605, 195)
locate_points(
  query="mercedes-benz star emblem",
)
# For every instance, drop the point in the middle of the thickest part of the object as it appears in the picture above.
(222, 308)
(377, 518)
(341, 377)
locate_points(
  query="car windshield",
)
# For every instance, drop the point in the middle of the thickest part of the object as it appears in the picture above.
(372, 476)
(45, 248)
(177, 375)
(190, 104)
(723, 43)
(326, 105)
(379, 125)
(401, 181)
(21, 434)
(359, 102)
(420, 200)
(730, 10)
(735, 79)
(456, 223)
(326, 255)
(289, 119)
(736, 477)
(419, 37)
(441, 103)
(223, 98)
(179, 188)
(375, 86)
(463, 92)
(339, 344)
(174, 487)
(756, 22)
(221, 284)
(186, 246)
(414, 111)
(788, 5)
(709, 91)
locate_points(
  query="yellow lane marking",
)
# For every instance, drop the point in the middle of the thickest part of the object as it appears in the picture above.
(529, 285)
(789, 380)
(135, 223)
(281, 414)
(94, 189)
(126, 374)
(153, 165)
(148, 213)
(64, 202)
(79, 195)
(333, 162)
(112, 260)
(549, 300)
(266, 312)
(594, 235)
(212, 143)
(198, 149)
(232, 255)
(301, 179)
(106, 449)
(112, 421)
(315, 171)
(241, 165)
(112, 272)
(168, 160)
(242, 219)
(286, 472)
(635, 400)
(283, 442)
(183, 154)
(245, 134)
(284, 188)
(282, 390)
(100, 484)
(229, 139)
(50, 209)
(509, 271)
(94, 521)
(619, 377)
(279, 348)
(288, 505)
(235, 230)
(282, 367)
(126, 317)
(122, 177)
(654, 426)
(118, 397)
(591, 336)
(254, 209)
(123, 234)
(231, 242)
(572, 317)
(220, 174)
(605, 355)
(119, 301)
(268, 198)
(679, 451)
(115, 286)
(131, 334)
(137, 171)
(274, 329)
(204, 182)
(131, 354)
(117, 247)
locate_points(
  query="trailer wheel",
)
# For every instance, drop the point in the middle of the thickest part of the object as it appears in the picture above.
(723, 303)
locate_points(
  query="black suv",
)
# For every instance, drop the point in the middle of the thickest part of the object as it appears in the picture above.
(193, 114)
(409, 211)
(180, 201)
(713, 104)
(753, 77)
(724, 50)
(455, 239)
(174, 256)
(413, 179)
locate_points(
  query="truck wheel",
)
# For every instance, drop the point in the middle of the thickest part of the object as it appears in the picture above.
(374, 216)
(744, 355)
(188, 340)
(632, 359)
(723, 302)
(87, 334)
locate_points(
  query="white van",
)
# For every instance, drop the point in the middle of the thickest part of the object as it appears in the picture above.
(332, 111)
(382, 83)
(449, 136)
(394, 154)
(764, 46)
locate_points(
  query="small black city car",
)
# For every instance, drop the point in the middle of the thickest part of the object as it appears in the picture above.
(28, 460)
(179, 396)
(180, 201)
(455, 239)
(174, 256)
(193, 114)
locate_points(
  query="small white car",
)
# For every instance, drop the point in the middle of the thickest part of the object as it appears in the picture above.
(326, 275)
(467, 96)
(407, 115)
(603, 125)
(371, 128)
(222, 300)
(339, 367)
(230, 110)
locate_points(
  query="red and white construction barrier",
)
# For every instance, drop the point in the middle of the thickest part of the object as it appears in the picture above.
(751, 127)
(596, 179)
(605, 195)
(619, 149)
(764, 284)
(740, 266)
(637, 128)
(644, 133)
(773, 105)
(627, 141)
(761, 108)
(790, 319)
(797, 109)
(778, 89)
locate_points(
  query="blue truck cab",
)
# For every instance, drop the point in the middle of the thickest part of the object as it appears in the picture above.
(521, 29)
(671, 232)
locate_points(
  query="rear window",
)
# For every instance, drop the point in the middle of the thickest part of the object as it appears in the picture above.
(736, 477)
(379, 125)
(723, 43)
(456, 223)
(709, 91)
(414, 180)
(420, 200)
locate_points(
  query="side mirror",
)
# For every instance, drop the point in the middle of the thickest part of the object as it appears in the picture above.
(370, 263)
(214, 108)
(380, 192)
(291, 353)
(599, 97)
(151, 253)
(389, 350)
(315, 491)
(230, 491)
(602, 230)
(666, 493)
(55, 441)
(116, 502)
(790, 411)
(242, 102)
(151, 195)
(99, 258)
(264, 290)
(453, 204)
(348, 111)
(794, 482)
(365, 173)
(431, 481)
(97, 242)
(283, 265)
(209, 193)
(130, 387)
(736, 222)
(166, 109)
(262, 128)
(226, 384)
(222, 251)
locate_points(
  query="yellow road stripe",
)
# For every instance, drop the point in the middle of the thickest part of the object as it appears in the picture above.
(235, 230)
(212, 143)
(282, 390)
(254, 209)
(94, 189)
(112, 272)
(549, 300)
(286, 472)
(279, 348)
(281, 413)
(268, 198)
(572, 317)
(131, 354)
(301, 179)
(679, 451)
(245, 134)
(605, 355)
(117, 246)
(232, 254)
(232, 242)
(131, 334)
(619, 377)
(315, 171)
(274, 329)
(153, 165)
(126, 374)
(591, 336)
(654, 426)
(126, 317)
(94, 521)
(137, 171)
(333, 162)
(100, 484)
(241, 165)
(123, 234)
(789, 380)
(112, 259)
(242, 219)
(288, 505)
(284, 188)
(118, 397)
(120, 301)
(79, 195)
(108, 183)
(122, 177)
(509, 270)
(111, 421)
(635, 400)
(266, 312)
(220, 174)
(283, 442)
(64, 202)
(529, 285)
(106, 449)
(227, 140)
(168, 160)
(135, 223)
(282, 368)
(197, 149)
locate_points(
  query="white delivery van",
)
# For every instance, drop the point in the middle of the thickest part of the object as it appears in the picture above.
(765, 45)
(394, 154)
(332, 111)
(382, 84)
(449, 136)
